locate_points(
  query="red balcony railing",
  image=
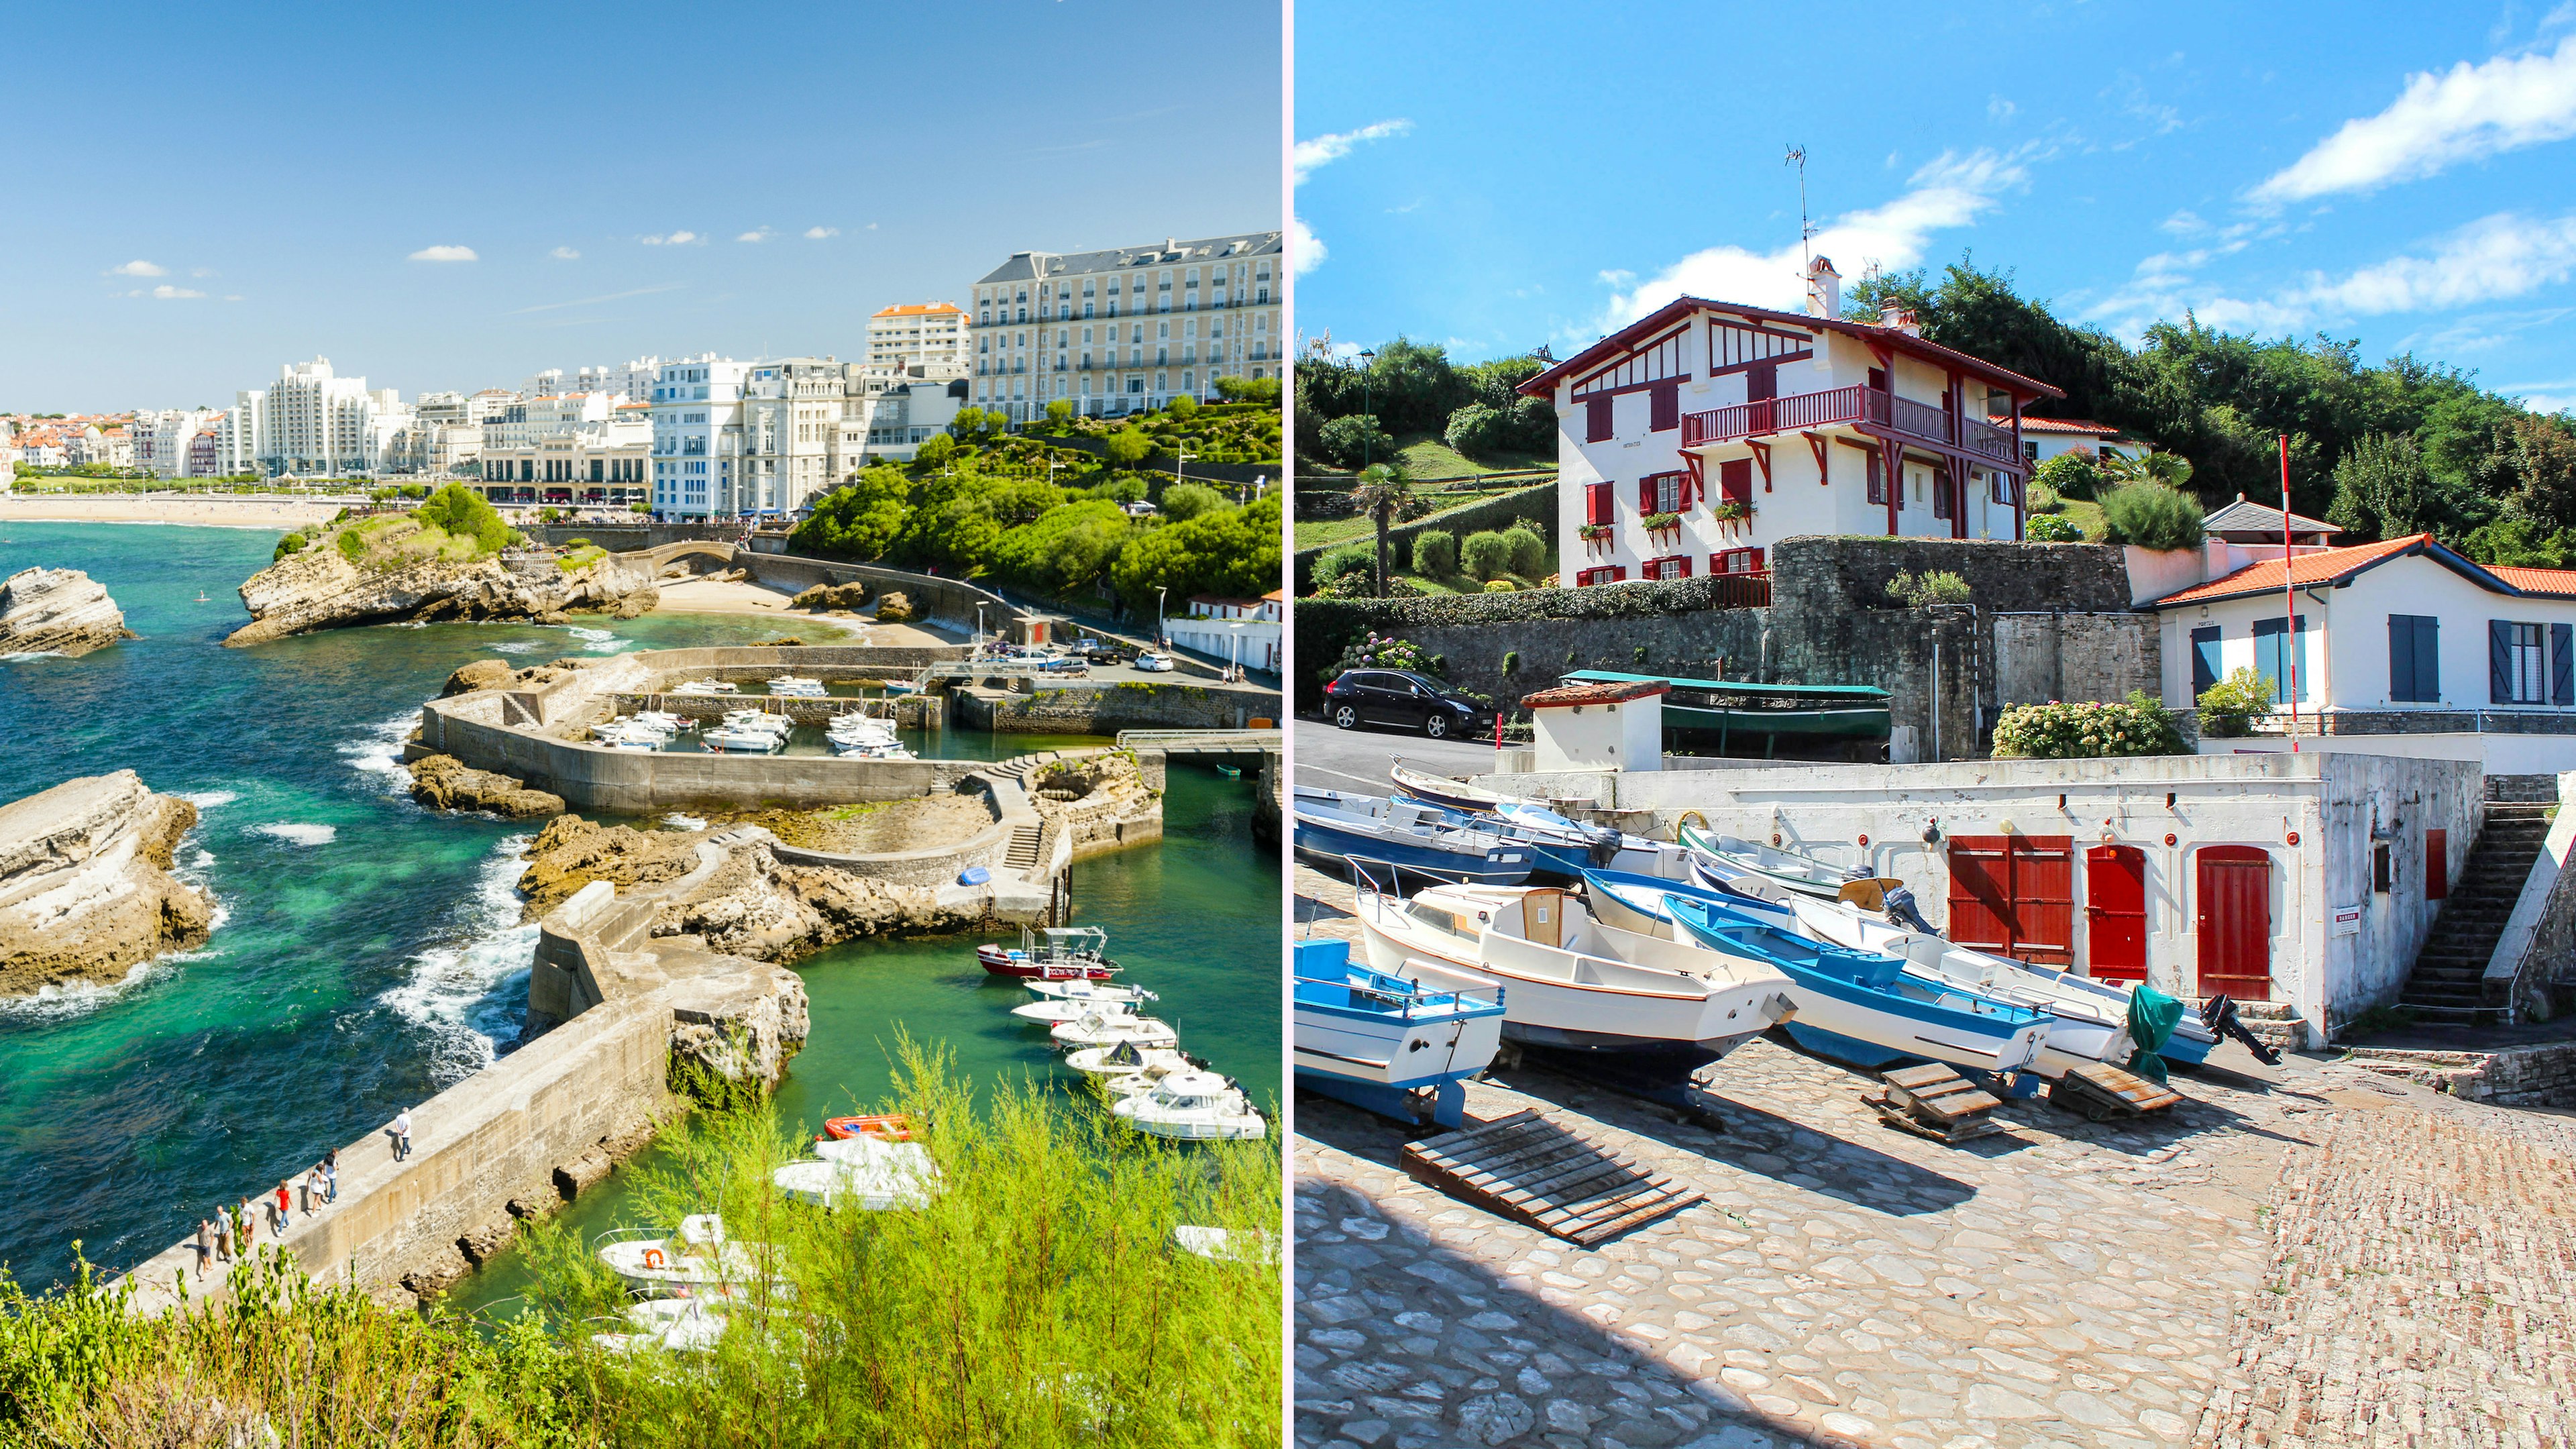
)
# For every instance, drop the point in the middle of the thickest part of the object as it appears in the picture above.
(1854, 404)
(1742, 590)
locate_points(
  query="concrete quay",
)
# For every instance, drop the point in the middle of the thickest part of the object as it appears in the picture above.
(2312, 1255)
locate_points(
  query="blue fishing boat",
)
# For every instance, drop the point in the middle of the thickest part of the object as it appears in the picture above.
(1868, 1010)
(1406, 835)
(1382, 1042)
(1569, 847)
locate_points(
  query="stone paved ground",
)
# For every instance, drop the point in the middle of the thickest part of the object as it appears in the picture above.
(2302, 1256)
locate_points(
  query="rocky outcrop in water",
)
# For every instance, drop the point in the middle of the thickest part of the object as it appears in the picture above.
(57, 611)
(86, 892)
(833, 596)
(497, 674)
(443, 782)
(725, 887)
(321, 588)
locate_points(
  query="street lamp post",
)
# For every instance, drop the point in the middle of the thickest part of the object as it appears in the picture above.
(1181, 464)
(1368, 363)
(1162, 636)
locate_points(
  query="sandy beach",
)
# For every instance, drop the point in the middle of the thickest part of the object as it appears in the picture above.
(714, 596)
(202, 510)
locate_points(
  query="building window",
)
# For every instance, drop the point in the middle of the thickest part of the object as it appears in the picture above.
(1663, 493)
(2414, 659)
(1678, 566)
(1667, 400)
(1596, 420)
(1608, 574)
(1877, 479)
(1736, 561)
(2204, 659)
(1597, 507)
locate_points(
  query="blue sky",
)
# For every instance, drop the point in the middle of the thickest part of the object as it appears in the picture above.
(199, 194)
(1496, 176)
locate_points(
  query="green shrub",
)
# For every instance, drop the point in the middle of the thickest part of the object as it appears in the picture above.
(352, 547)
(1475, 429)
(2049, 528)
(2088, 731)
(2069, 475)
(2229, 707)
(1189, 500)
(1500, 586)
(578, 543)
(1528, 549)
(1435, 553)
(1511, 661)
(461, 511)
(1183, 407)
(1929, 588)
(1354, 440)
(2044, 499)
(2150, 515)
(1350, 558)
(1483, 555)
(292, 543)
(1379, 651)
(1129, 446)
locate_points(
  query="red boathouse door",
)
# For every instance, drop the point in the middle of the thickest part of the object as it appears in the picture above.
(2014, 895)
(2115, 912)
(2235, 922)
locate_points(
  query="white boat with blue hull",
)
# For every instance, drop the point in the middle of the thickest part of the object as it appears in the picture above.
(1407, 835)
(1869, 1010)
(1382, 1042)
(1441, 790)
(1639, 1013)
(1570, 847)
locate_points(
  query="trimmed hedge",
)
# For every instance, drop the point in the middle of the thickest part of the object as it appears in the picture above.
(1537, 503)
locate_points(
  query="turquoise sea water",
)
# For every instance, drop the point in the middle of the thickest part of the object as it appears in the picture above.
(370, 952)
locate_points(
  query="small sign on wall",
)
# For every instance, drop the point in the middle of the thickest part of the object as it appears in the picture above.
(2347, 920)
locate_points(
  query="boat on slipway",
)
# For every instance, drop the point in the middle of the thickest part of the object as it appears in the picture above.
(1760, 869)
(1051, 953)
(1640, 1012)
(1405, 835)
(1569, 847)
(1441, 790)
(1866, 1009)
(1386, 1043)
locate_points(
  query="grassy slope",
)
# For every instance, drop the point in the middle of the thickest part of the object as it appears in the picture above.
(1427, 459)
(1317, 532)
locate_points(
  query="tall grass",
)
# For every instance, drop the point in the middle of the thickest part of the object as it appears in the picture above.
(1037, 1299)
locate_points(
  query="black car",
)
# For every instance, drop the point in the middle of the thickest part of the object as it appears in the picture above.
(1402, 697)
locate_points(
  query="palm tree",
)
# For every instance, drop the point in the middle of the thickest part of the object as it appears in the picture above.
(1382, 492)
(2170, 469)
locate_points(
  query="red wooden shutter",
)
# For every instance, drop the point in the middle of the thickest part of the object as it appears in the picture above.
(1878, 379)
(1735, 479)
(1682, 561)
(1646, 494)
(1682, 485)
(2437, 865)
(1618, 572)
(1597, 507)
(1716, 564)
(1667, 400)
(1596, 420)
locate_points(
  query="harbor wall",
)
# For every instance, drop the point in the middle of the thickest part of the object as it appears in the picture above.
(1102, 709)
(590, 777)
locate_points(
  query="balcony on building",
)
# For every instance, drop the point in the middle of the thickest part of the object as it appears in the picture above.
(1858, 408)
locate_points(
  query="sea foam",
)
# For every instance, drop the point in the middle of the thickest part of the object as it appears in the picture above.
(470, 992)
(295, 833)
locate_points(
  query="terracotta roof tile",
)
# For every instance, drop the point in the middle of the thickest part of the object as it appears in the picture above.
(2556, 583)
(1573, 694)
(2325, 566)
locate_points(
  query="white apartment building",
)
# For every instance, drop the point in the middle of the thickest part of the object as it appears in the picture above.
(1129, 328)
(697, 437)
(519, 423)
(1696, 436)
(113, 447)
(313, 422)
(931, 334)
(792, 435)
(897, 413)
(162, 440)
(630, 380)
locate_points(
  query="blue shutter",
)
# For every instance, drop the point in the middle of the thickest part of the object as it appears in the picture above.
(2204, 659)
(2401, 657)
(2499, 661)
(2562, 664)
(2428, 660)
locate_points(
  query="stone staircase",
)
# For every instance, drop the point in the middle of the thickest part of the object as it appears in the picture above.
(2447, 983)
(2278, 1023)
(1022, 853)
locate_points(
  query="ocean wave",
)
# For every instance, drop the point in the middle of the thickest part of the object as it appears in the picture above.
(208, 799)
(522, 647)
(23, 655)
(678, 821)
(299, 834)
(62, 1001)
(470, 992)
(379, 752)
(598, 641)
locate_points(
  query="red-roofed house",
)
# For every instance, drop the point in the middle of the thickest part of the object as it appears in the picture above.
(1694, 437)
(2401, 647)
(2045, 438)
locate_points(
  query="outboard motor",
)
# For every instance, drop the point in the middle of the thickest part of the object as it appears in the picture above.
(1900, 911)
(2219, 1015)
(1602, 845)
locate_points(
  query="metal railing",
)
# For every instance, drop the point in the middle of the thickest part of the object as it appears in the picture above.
(1857, 403)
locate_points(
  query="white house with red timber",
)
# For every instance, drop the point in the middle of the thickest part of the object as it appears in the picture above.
(1690, 440)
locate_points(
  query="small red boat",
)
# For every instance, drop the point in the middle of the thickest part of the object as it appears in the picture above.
(1056, 953)
(884, 1127)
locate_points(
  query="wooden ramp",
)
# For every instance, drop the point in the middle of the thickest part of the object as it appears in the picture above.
(2101, 1091)
(1526, 1167)
(1933, 1101)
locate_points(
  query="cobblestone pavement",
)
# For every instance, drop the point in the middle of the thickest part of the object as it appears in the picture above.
(2247, 1268)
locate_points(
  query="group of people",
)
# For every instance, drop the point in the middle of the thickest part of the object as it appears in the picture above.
(228, 1234)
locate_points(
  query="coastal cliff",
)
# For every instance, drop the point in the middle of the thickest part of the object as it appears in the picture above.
(57, 611)
(380, 581)
(86, 892)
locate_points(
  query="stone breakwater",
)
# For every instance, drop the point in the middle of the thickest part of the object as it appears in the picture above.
(86, 892)
(443, 782)
(321, 589)
(57, 611)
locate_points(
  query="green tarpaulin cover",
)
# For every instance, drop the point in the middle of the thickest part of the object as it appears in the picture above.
(2152, 1018)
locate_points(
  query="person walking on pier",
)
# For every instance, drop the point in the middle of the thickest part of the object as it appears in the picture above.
(245, 1225)
(278, 1220)
(330, 1174)
(400, 1131)
(223, 1234)
(313, 1191)
(205, 1244)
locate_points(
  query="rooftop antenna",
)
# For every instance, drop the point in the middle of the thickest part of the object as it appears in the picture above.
(1806, 230)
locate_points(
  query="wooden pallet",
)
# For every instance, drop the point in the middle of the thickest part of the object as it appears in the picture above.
(1526, 1167)
(1936, 1102)
(2101, 1091)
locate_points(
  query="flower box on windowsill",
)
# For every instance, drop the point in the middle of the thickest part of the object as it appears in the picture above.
(1663, 523)
(1593, 532)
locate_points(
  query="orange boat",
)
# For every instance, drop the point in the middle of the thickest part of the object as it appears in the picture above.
(884, 1127)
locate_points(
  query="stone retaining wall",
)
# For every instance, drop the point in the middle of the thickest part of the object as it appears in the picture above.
(1108, 708)
(593, 778)
(2533, 1076)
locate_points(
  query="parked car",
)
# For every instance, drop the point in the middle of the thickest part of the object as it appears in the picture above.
(1154, 663)
(1402, 697)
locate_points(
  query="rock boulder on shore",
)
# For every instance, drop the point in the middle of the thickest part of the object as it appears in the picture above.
(320, 588)
(443, 782)
(86, 892)
(833, 596)
(57, 611)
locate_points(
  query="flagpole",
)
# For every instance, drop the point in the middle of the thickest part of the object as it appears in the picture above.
(2290, 596)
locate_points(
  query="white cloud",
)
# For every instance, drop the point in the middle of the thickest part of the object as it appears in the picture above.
(756, 234)
(676, 239)
(1999, 109)
(1306, 251)
(167, 293)
(138, 268)
(1308, 155)
(201, 271)
(1950, 192)
(564, 254)
(817, 233)
(872, 226)
(444, 254)
(2469, 113)
(2136, 103)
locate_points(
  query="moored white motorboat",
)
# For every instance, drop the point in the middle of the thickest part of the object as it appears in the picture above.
(1051, 953)
(1192, 1106)
(877, 1174)
(1126, 1059)
(1085, 989)
(1049, 1012)
(701, 687)
(664, 721)
(674, 1325)
(1645, 1010)
(1379, 1041)
(1222, 1245)
(794, 687)
(699, 1256)
(1096, 1029)
(743, 740)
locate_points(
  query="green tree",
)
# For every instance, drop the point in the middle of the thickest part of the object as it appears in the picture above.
(1182, 407)
(1060, 411)
(1475, 429)
(2068, 475)
(2383, 489)
(1231, 552)
(2150, 515)
(1064, 550)
(464, 513)
(1356, 440)
(861, 520)
(1381, 492)
(1129, 446)
(935, 450)
(1189, 500)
